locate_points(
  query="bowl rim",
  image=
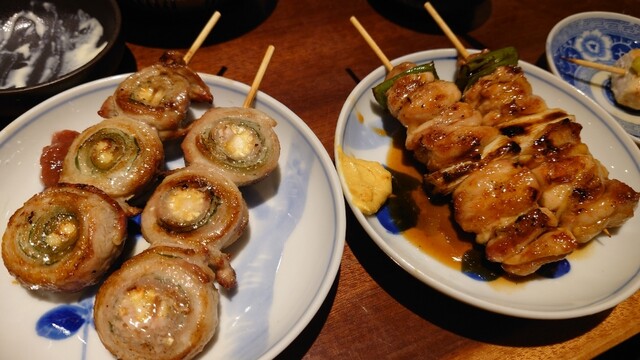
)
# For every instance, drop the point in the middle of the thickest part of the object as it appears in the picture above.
(590, 15)
(117, 17)
(560, 25)
(556, 32)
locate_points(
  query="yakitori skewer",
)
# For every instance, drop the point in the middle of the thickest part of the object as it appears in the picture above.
(597, 66)
(259, 75)
(372, 43)
(202, 36)
(447, 31)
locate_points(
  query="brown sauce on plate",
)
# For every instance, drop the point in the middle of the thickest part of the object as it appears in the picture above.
(434, 230)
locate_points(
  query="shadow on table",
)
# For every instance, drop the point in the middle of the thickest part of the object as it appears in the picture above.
(412, 14)
(177, 24)
(453, 315)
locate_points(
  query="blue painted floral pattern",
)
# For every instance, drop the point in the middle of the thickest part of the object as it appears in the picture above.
(594, 45)
(602, 40)
(64, 321)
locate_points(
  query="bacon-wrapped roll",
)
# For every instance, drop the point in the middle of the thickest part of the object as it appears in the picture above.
(119, 155)
(197, 206)
(159, 95)
(161, 304)
(64, 238)
(239, 141)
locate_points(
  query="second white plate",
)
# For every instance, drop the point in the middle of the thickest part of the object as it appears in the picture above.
(286, 262)
(600, 278)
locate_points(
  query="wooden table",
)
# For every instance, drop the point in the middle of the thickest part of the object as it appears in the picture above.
(375, 309)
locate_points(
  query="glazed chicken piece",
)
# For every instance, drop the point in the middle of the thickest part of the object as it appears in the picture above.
(441, 130)
(159, 95)
(418, 98)
(553, 245)
(576, 186)
(588, 217)
(544, 134)
(453, 136)
(494, 196)
(518, 173)
(503, 95)
(403, 66)
(446, 180)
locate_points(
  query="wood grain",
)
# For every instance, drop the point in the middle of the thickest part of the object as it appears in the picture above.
(375, 309)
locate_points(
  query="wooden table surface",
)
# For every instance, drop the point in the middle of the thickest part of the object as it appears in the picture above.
(375, 309)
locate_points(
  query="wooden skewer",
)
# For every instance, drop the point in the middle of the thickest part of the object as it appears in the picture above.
(447, 31)
(597, 66)
(372, 43)
(465, 54)
(256, 81)
(203, 35)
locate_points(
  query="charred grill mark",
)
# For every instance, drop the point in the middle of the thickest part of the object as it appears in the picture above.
(512, 131)
(582, 195)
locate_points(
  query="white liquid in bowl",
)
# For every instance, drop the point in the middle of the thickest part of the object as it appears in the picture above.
(42, 44)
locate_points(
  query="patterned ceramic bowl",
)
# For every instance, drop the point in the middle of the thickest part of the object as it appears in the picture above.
(600, 37)
(176, 23)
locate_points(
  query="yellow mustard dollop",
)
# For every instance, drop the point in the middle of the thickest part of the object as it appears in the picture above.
(368, 181)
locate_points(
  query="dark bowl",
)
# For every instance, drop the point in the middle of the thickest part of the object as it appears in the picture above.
(176, 23)
(16, 100)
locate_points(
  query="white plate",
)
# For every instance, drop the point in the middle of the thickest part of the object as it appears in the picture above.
(602, 37)
(285, 264)
(605, 274)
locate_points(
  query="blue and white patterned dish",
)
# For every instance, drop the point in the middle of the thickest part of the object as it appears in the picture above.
(601, 37)
(604, 273)
(286, 262)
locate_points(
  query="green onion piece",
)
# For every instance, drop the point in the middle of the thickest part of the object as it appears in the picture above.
(380, 90)
(485, 64)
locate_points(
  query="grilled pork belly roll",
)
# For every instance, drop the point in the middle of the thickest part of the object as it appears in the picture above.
(239, 141)
(161, 304)
(64, 238)
(159, 95)
(119, 155)
(197, 206)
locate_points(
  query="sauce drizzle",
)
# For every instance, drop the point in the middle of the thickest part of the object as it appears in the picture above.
(427, 222)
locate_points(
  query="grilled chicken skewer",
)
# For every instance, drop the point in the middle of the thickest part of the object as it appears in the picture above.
(519, 176)
(493, 146)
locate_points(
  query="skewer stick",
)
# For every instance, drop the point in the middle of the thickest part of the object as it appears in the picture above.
(202, 36)
(597, 66)
(447, 31)
(372, 43)
(259, 75)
